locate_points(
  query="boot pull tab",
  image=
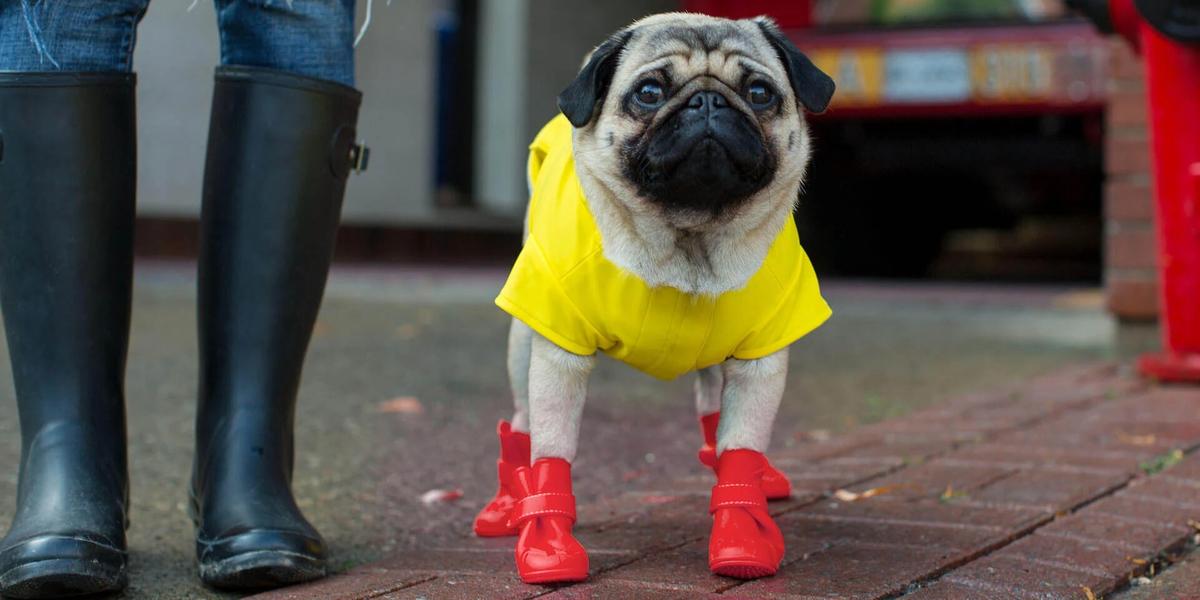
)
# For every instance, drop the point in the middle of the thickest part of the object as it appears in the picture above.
(360, 157)
(346, 154)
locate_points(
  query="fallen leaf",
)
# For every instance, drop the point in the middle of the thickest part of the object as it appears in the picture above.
(848, 496)
(1162, 462)
(1087, 593)
(440, 496)
(1137, 561)
(406, 405)
(816, 435)
(1194, 524)
(950, 494)
(1148, 439)
(879, 491)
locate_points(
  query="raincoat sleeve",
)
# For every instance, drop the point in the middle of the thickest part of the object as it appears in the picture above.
(800, 310)
(536, 297)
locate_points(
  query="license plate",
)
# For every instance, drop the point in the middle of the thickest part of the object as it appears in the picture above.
(926, 76)
(1010, 72)
(980, 73)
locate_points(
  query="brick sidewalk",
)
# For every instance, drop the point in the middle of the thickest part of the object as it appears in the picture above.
(1059, 487)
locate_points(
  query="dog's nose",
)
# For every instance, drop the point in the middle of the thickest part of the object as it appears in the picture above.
(707, 101)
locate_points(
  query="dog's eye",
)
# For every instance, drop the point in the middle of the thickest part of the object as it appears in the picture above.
(759, 95)
(650, 94)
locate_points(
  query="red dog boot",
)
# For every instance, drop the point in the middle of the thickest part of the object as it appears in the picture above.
(493, 520)
(545, 513)
(775, 484)
(745, 542)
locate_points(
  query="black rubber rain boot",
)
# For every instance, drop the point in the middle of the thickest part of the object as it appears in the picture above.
(67, 184)
(280, 148)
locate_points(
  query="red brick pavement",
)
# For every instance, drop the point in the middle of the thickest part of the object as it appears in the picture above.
(1059, 487)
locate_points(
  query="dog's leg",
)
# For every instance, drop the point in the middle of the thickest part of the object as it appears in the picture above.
(710, 382)
(753, 389)
(745, 542)
(494, 519)
(520, 337)
(557, 390)
(545, 512)
(710, 389)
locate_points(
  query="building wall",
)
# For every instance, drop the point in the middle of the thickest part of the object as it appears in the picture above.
(501, 81)
(565, 31)
(176, 52)
(1130, 257)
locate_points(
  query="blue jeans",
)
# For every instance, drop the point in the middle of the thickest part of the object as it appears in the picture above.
(306, 37)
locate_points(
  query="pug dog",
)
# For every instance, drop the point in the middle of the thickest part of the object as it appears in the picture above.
(660, 232)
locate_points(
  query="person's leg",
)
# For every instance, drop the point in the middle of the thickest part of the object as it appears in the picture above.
(67, 184)
(69, 35)
(313, 38)
(280, 147)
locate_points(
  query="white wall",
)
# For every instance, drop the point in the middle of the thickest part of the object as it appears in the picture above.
(529, 51)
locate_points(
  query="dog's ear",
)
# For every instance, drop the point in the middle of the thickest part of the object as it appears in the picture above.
(578, 101)
(812, 86)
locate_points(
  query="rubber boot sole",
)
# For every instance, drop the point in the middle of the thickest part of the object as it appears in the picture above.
(556, 576)
(740, 569)
(62, 577)
(261, 570)
(257, 569)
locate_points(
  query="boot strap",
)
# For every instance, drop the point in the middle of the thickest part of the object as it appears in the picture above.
(504, 471)
(542, 505)
(735, 495)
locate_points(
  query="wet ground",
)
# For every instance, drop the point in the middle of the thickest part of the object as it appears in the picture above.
(405, 381)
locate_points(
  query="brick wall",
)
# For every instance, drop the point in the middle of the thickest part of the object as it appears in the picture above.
(1130, 264)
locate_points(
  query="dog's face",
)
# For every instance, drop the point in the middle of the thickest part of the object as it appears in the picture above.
(696, 118)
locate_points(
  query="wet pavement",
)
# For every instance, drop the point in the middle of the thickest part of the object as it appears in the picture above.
(405, 381)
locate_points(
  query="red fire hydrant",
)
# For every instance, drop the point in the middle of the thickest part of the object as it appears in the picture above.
(1167, 35)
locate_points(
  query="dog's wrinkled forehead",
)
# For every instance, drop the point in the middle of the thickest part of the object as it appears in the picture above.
(688, 46)
(685, 48)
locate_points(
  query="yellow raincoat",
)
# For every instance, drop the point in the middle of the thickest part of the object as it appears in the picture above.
(564, 288)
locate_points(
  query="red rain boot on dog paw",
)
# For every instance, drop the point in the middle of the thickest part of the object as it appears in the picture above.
(745, 541)
(545, 513)
(493, 520)
(775, 484)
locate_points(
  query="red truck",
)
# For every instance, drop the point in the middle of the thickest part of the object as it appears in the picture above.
(965, 138)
